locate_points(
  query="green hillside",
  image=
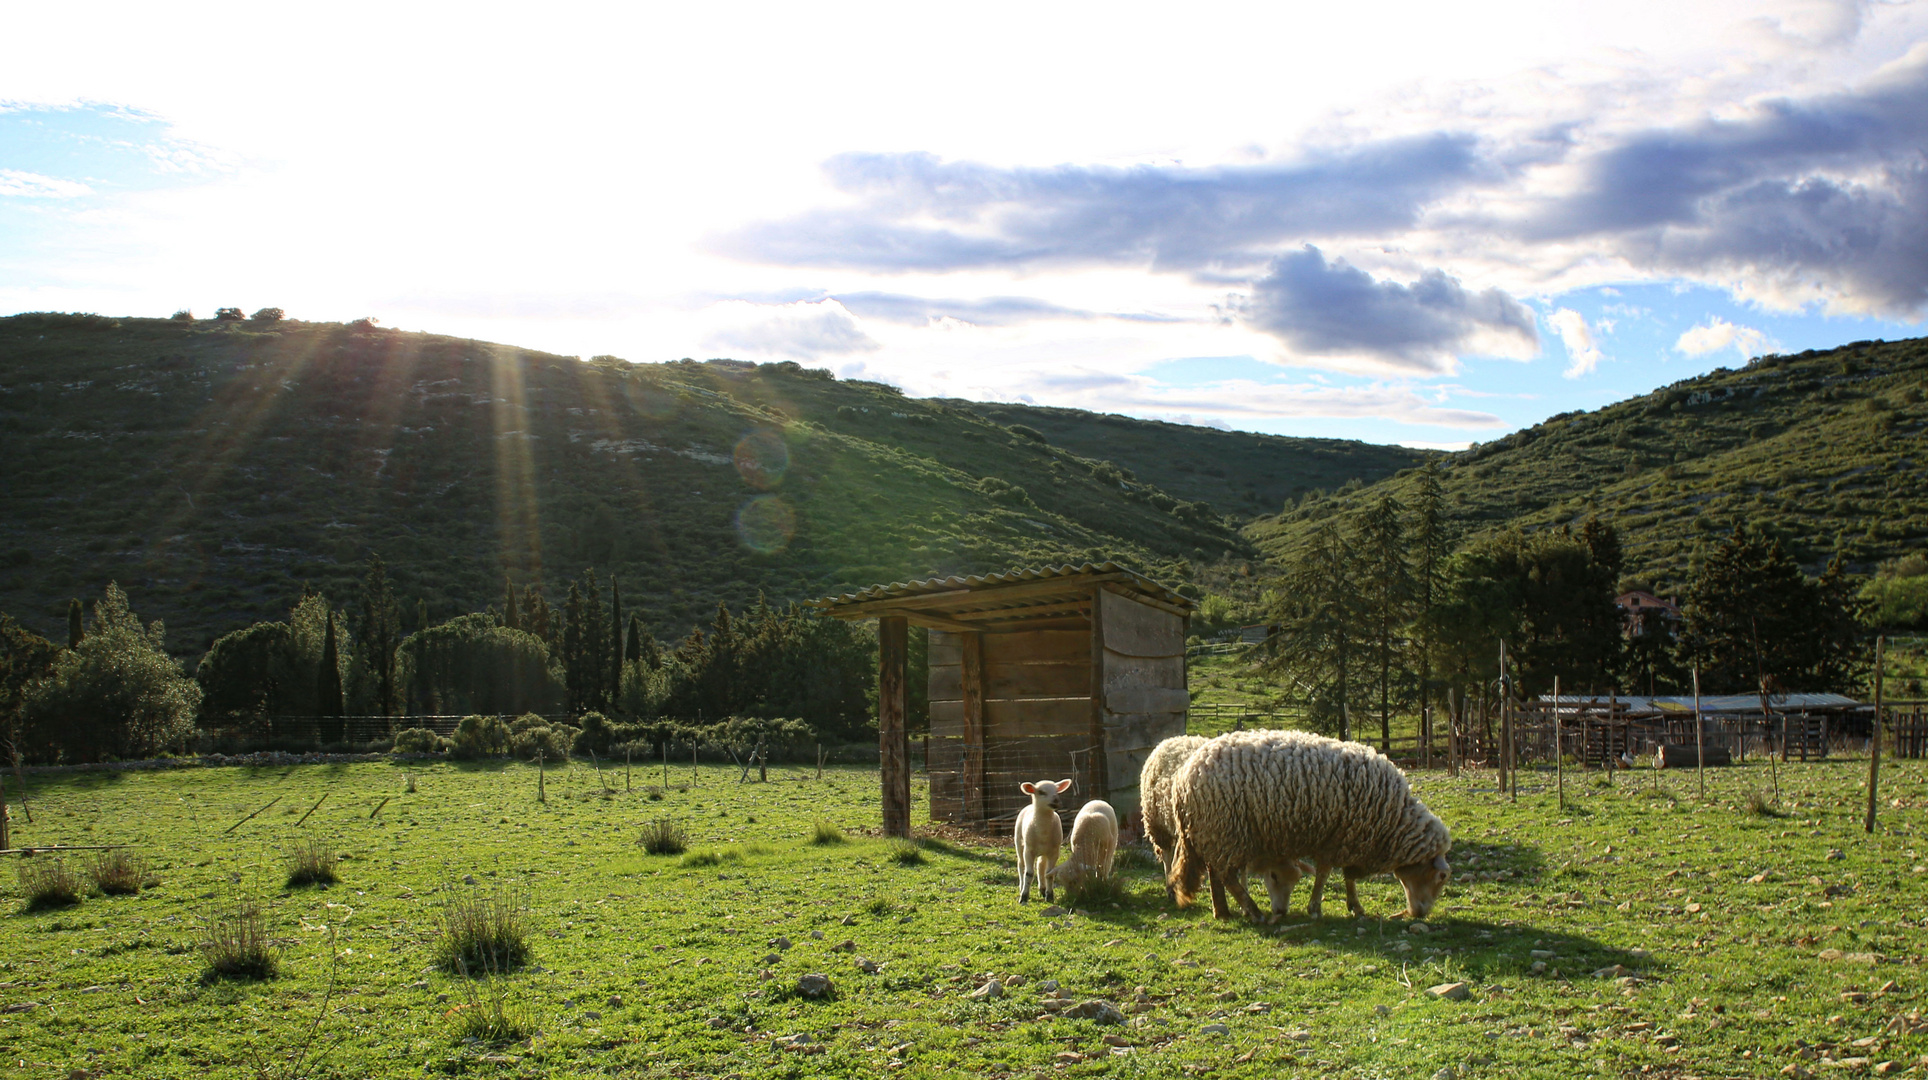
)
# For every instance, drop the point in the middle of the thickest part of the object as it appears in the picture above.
(1824, 449)
(1241, 473)
(216, 469)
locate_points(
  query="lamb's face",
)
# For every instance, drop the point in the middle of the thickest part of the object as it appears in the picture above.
(1424, 882)
(1044, 794)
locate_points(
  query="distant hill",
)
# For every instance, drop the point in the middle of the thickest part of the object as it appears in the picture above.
(1240, 473)
(1827, 449)
(216, 469)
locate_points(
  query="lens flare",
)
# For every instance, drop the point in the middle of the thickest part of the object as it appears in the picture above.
(762, 457)
(766, 523)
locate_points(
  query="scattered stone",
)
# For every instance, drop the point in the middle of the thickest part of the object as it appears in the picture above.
(592, 1015)
(718, 1022)
(1836, 855)
(1228, 995)
(905, 919)
(813, 985)
(1117, 1040)
(816, 935)
(1693, 909)
(1541, 954)
(498, 1059)
(1452, 991)
(1069, 1057)
(1855, 997)
(799, 1043)
(1868, 958)
(1539, 967)
(1214, 1029)
(1419, 928)
(1615, 972)
(1640, 954)
(868, 966)
(1798, 1071)
(468, 879)
(1446, 1072)
(847, 920)
(990, 991)
(1096, 1010)
(1884, 1068)
(771, 958)
(780, 943)
(1382, 1010)
(1013, 982)
(1052, 912)
(1666, 1040)
(615, 1001)
(1830, 954)
(1048, 986)
(846, 945)
(1848, 1064)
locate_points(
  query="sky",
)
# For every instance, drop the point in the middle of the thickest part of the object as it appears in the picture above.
(1399, 222)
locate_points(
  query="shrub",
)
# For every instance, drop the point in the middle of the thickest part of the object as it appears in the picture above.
(228, 314)
(550, 742)
(418, 740)
(48, 883)
(117, 694)
(312, 862)
(490, 1019)
(482, 935)
(480, 736)
(824, 832)
(1025, 431)
(118, 873)
(1761, 804)
(268, 315)
(903, 852)
(183, 315)
(235, 945)
(664, 837)
(471, 664)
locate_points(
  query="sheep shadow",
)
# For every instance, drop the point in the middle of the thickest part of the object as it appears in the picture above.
(1469, 949)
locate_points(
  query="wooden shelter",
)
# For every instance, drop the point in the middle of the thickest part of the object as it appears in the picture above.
(1036, 674)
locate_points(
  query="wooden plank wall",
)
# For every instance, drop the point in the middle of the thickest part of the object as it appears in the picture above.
(1145, 697)
(1037, 712)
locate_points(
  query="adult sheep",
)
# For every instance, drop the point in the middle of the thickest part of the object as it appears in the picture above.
(1259, 801)
(1161, 824)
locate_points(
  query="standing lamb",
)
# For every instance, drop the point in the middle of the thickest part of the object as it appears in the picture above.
(1258, 801)
(1039, 836)
(1094, 840)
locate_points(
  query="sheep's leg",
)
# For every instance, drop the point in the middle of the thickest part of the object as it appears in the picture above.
(1045, 863)
(1024, 876)
(1352, 893)
(1219, 908)
(1315, 905)
(1235, 884)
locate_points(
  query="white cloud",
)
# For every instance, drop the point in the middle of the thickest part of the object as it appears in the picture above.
(28, 185)
(1716, 334)
(1582, 355)
(801, 331)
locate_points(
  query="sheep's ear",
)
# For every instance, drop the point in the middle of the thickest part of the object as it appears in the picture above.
(1028, 788)
(1440, 863)
(1064, 785)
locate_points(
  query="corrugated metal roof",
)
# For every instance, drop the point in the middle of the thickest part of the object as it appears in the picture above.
(1125, 576)
(1711, 703)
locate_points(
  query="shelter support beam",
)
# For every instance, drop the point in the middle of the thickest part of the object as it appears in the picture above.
(893, 702)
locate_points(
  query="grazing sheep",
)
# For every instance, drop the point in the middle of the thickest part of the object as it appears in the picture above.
(1161, 827)
(1039, 835)
(1094, 840)
(1259, 801)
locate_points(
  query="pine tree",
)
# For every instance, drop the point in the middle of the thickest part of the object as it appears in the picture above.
(538, 617)
(1321, 612)
(328, 683)
(1387, 595)
(613, 668)
(380, 632)
(509, 617)
(1750, 609)
(1431, 549)
(74, 631)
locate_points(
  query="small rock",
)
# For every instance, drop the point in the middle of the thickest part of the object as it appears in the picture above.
(615, 1002)
(868, 966)
(847, 920)
(1836, 855)
(1798, 1071)
(990, 991)
(1666, 1040)
(846, 945)
(905, 919)
(1117, 1040)
(1867, 958)
(1640, 954)
(1069, 1057)
(1541, 954)
(1052, 912)
(468, 879)
(1013, 982)
(1419, 928)
(1214, 1029)
(771, 959)
(780, 943)
(813, 985)
(1097, 1010)
(1849, 1064)
(1829, 954)
(1048, 986)
(592, 1015)
(1446, 1072)
(1884, 1068)
(1617, 971)
(1452, 991)
(718, 1022)
(1539, 967)
(1228, 995)
(816, 935)
(1855, 997)
(1382, 1010)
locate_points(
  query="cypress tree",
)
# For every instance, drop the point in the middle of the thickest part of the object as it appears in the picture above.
(633, 642)
(328, 683)
(509, 617)
(381, 631)
(613, 670)
(74, 631)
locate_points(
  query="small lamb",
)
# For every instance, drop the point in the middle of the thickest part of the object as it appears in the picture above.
(1040, 836)
(1094, 840)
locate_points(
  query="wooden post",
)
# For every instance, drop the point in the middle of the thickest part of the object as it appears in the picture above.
(1098, 769)
(542, 789)
(1453, 700)
(627, 787)
(1425, 736)
(1559, 754)
(1506, 724)
(6, 842)
(1700, 738)
(893, 743)
(971, 780)
(1874, 730)
(1613, 724)
(666, 764)
(692, 762)
(819, 761)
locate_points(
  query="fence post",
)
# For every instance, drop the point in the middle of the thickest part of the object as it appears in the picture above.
(1700, 738)
(1874, 729)
(542, 790)
(1559, 752)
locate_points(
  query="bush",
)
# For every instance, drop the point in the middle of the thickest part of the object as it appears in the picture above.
(480, 736)
(664, 837)
(119, 694)
(552, 743)
(228, 314)
(118, 873)
(183, 315)
(268, 315)
(472, 664)
(48, 883)
(312, 862)
(235, 945)
(418, 740)
(482, 935)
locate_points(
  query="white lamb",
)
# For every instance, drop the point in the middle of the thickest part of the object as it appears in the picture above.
(1040, 836)
(1094, 841)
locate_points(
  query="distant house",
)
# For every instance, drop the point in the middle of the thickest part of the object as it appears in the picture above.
(1643, 613)
(1256, 633)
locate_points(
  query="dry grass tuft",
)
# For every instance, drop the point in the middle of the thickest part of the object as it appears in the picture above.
(904, 852)
(118, 873)
(482, 936)
(235, 945)
(48, 883)
(312, 862)
(824, 832)
(664, 837)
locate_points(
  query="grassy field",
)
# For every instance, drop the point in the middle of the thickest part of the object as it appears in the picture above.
(1751, 941)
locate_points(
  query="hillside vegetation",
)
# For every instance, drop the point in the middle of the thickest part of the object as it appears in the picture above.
(1822, 450)
(216, 469)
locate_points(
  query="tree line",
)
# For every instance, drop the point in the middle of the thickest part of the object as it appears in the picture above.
(113, 691)
(1382, 614)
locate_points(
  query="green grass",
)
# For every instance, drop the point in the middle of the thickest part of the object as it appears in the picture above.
(647, 966)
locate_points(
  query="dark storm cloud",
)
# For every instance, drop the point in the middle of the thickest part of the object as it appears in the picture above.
(918, 212)
(1321, 308)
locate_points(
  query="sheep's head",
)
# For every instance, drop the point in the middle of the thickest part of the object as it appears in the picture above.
(1424, 882)
(1070, 874)
(1044, 792)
